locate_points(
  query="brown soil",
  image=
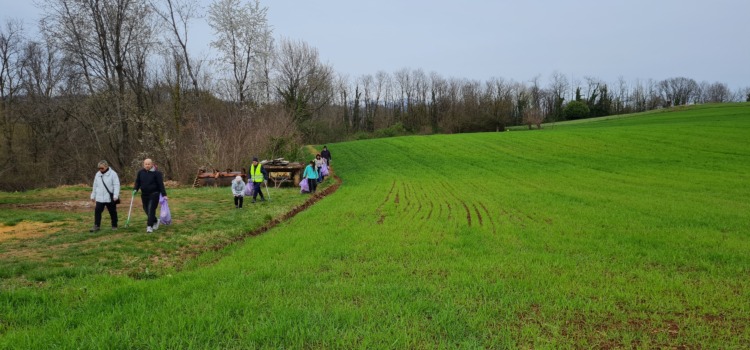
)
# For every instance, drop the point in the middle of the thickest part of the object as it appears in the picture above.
(78, 206)
(24, 230)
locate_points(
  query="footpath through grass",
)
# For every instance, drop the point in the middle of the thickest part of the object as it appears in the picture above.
(620, 233)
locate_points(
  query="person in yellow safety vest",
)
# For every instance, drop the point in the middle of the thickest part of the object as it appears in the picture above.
(257, 175)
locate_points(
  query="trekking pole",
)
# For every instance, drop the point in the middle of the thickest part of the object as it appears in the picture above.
(127, 222)
(267, 191)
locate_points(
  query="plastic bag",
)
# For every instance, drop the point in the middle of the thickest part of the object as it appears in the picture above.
(304, 187)
(165, 216)
(323, 170)
(249, 189)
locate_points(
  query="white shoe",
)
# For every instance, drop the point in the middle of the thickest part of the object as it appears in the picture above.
(156, 226)
(149, 229)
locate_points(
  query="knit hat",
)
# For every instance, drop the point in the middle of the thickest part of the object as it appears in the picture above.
(255, 159)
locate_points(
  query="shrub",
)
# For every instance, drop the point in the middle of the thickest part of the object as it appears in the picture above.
(576, 110)
(391, 131)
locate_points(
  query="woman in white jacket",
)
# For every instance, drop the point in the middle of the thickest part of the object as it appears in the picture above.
(238, 190)
(105, 191)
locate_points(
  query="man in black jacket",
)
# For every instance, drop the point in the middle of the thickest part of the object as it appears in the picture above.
(327, 155)
(151, 184)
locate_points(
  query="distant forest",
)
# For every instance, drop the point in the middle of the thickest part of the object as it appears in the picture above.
(116, 80)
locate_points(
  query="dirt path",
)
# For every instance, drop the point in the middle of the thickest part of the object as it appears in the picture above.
(288, 215)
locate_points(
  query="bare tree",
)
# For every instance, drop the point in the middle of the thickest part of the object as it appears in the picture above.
(176, 16)
(367, 121)
(403, 79)
(382, 92)
(241, 29)
(108, 40)
(264, 67)
(303, 83)
(438, 100)
(714, 93)
(678, 91)
(11, 77)
(342, 88)
(503, 103)
(558, 89)
(45, 71)
(421, 86)
(533, 116)
(638, 97)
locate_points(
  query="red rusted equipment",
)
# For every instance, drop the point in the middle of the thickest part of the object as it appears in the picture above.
(215, 177)
(280, 173)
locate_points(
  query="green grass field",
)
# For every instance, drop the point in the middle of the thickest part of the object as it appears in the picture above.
(627, 232)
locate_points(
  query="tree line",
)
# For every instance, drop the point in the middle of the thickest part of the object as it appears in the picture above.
(116, 80)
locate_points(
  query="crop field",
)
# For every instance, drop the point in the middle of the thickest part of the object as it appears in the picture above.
(628, 232)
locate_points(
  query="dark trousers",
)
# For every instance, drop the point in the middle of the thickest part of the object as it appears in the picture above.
(238, 201)
(150, 202)
(257, 190)
(99, 209)
(313, 184)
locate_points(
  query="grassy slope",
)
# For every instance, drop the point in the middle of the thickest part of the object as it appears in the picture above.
(622, 232)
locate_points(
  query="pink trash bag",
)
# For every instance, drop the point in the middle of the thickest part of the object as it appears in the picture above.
(304, 187)
(165, 216)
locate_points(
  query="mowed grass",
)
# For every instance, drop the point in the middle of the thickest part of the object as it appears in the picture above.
(45, 234)
(618, 233)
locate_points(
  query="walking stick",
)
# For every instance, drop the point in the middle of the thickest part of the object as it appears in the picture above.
(267, 191)
(127, 222)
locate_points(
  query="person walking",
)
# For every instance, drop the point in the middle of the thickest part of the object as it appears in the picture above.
(105, 192)
(311, 175)
(319, 164)
(238, 190)
(151, 183)
(257, 174)
(326, 154)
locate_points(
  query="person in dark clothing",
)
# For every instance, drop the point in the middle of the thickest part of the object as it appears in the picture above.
(151, 183)
(257, 175)
(327, 155)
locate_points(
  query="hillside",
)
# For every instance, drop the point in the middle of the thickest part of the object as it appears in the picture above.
(613, 233)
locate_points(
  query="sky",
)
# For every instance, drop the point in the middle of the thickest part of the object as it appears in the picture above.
(515, 40)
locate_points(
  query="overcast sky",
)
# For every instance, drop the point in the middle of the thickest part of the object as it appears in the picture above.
(518, 40)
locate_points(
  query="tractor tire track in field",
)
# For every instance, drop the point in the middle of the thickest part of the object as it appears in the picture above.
(379, 209)
(388, 196)
(479, 215)
(288, 215)
(413, 196)
(450, 191)
(489, 216)
(413, 202)
(468, 212)
(450, 209)
(429, 213)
